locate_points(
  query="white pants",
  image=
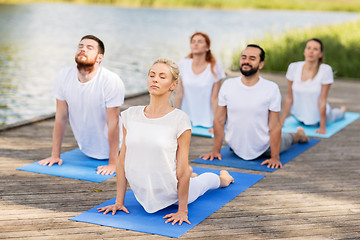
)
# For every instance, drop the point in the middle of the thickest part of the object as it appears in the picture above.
(201, 184)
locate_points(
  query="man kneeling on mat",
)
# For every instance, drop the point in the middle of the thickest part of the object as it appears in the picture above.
(250, 106)
(89, 96)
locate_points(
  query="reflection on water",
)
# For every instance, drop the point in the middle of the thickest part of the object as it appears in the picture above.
(36, 40)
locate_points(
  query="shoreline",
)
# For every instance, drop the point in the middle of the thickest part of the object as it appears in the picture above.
(272, 75)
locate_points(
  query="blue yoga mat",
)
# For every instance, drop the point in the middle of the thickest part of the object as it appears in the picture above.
(201, 131)
(230, 159)
(76, 165)
(141, 221)
(291, 124)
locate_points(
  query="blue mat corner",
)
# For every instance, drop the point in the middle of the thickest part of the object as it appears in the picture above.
(201, 131)
(76, 165)
(291, 124)
(230, 159)
(141, 221)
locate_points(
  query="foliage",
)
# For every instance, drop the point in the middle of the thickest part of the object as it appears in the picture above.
(341, 47)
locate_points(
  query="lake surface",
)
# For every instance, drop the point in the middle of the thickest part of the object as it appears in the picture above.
(37, 40)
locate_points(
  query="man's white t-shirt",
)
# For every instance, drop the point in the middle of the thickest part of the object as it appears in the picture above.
(247, 126)
(87, 104)
(196, 101)
(150, 160)
(306, 94)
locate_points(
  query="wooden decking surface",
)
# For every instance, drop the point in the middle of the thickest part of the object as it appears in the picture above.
(315, 196)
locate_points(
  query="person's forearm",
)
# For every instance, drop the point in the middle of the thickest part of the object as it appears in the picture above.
(287, 105)
(214, 104)
(275, 141)
(218, 136)
(113, 138)
(183, 191)
(58, 135)
(322, 108)
(121, 181)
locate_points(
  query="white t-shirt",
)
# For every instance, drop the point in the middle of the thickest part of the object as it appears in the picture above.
(306, 94)
(150, 160)
(247, 126)
(87, 103)
(197, 92)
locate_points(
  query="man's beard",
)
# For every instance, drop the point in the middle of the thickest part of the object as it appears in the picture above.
(87, 64)
(250, 72)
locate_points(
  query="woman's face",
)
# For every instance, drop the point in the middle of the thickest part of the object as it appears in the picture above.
(313, 51)
(160, 80)
(198, 45)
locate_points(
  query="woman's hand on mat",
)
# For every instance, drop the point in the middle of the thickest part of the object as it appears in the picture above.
(51, 161)
(106, 169)
(179, 217)
(113, 208)
(272, 163)
(321, 131)
(211, 156)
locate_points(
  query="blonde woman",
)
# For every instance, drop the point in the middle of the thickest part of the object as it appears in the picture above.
(201, 75)
(155, 149)
(309, 83)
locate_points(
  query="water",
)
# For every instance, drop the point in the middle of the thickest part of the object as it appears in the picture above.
(37, 40)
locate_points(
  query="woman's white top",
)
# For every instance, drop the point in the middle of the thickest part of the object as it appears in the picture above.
(150, 160)
(306, 94)
(247, 124)
(196, 101)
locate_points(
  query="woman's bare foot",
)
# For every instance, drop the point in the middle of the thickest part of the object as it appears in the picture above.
(192, 175)
(225, 178)
(343, 109)
(302, 138)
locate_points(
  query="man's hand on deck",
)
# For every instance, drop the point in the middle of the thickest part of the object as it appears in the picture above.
(211, 156)
(106, 169)
(51, 161)
(272, 163)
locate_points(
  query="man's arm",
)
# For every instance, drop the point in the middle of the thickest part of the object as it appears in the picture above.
(61, 118)
(275, 141)
(219, 124)
(112, 121)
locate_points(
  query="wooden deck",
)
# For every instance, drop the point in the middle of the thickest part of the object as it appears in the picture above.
(315, 196)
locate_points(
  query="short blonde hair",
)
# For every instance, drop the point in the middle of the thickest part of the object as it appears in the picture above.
(173, 67)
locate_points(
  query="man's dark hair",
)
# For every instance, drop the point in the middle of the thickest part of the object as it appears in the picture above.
(100, 43)
(262, 52)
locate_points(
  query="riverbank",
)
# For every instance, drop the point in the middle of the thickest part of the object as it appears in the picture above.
(341, 47)
(315, 196)
(309, 5)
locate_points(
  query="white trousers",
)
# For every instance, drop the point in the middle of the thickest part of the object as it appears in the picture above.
(201, 184)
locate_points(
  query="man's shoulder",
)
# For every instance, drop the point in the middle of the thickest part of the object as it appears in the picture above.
(108, 74)
(268, 83)
(231, 81)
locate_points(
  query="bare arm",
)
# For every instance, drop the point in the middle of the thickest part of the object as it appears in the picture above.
(215, 95)
(179, 94)
(275, 140)
(121, 182)
(61, 118)
(322, 107)
(219, 124)
(112, 121)
(288, 103)
(183, 175)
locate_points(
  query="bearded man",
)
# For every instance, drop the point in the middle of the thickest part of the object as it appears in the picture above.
(89, 96)
(250, 106)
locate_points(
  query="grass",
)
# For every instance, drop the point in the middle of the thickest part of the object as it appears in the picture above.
(318, 5)
(341, 47)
